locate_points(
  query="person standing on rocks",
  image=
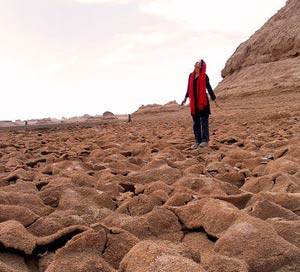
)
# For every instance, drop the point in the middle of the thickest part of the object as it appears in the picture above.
(199, 103)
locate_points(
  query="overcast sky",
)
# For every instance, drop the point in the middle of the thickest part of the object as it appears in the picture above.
(64, 58)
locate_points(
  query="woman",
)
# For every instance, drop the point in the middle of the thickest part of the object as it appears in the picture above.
(199, 103)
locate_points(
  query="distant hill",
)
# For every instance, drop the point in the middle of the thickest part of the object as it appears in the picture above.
(157, 108)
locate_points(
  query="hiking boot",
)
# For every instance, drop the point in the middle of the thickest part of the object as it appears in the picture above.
(203, 144)
(195, 145)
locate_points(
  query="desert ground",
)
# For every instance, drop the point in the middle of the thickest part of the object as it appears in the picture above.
(132, 196)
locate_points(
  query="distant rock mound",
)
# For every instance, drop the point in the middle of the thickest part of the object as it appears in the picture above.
(5, 122)
(157, 108)
(109, 115)
(270, 59)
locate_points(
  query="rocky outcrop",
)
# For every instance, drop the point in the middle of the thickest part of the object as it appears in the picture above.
(160, 256)
(109, 115)
(268, 63)
(171, 106)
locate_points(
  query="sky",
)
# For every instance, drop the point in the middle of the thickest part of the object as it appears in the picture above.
(66, 58)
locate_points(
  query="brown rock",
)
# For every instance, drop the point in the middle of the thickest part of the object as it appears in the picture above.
(118, 244)
(218, 168)
(70, 197)
(59, 220)
(199, 242)
(6, 268)
(267, 209)
(197, 169)
(108, 114)
(280, 152)
(160, 223)
(30, 201)
(14, 162)
(82, 179)
(12, 263)
(253, 163)
(20, 187)
(158, 185)
(155, 108)
(111, 187)
(78, 198)
(288, 230)
(154, 164)
(273, 182)
(214, 215)
(238, 200)
(235, 178)
(82, 253)
(259, 170)
(282, 165)
(165, 173)
(275, 144)
(260, 184)
(286, 183)
(204, 185)
(18, 213)
(149, 256)
(19, 174)
(69, 231)
(255, 242)
(265, 49)
(160, 195)
(216, 262)
(64, 167)
(14, 235)
(179, 199)
(289, 201)
(139, 205)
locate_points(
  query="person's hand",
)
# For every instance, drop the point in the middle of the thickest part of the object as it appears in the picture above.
(183, 101)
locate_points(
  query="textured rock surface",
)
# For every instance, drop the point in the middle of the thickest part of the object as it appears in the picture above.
(82, 253)
(248, 237)
(14, 235)
(276, 45)
(159, 256)
(267, 66)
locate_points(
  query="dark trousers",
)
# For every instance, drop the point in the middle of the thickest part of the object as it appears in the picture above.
(200, 127)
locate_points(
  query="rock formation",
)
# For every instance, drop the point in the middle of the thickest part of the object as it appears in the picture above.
(171, 106)
(108, 115)
(268, 64)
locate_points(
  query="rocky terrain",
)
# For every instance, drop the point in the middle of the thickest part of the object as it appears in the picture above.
(133, 197)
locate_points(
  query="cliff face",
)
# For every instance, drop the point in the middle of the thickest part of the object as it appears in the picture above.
(270, 59)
